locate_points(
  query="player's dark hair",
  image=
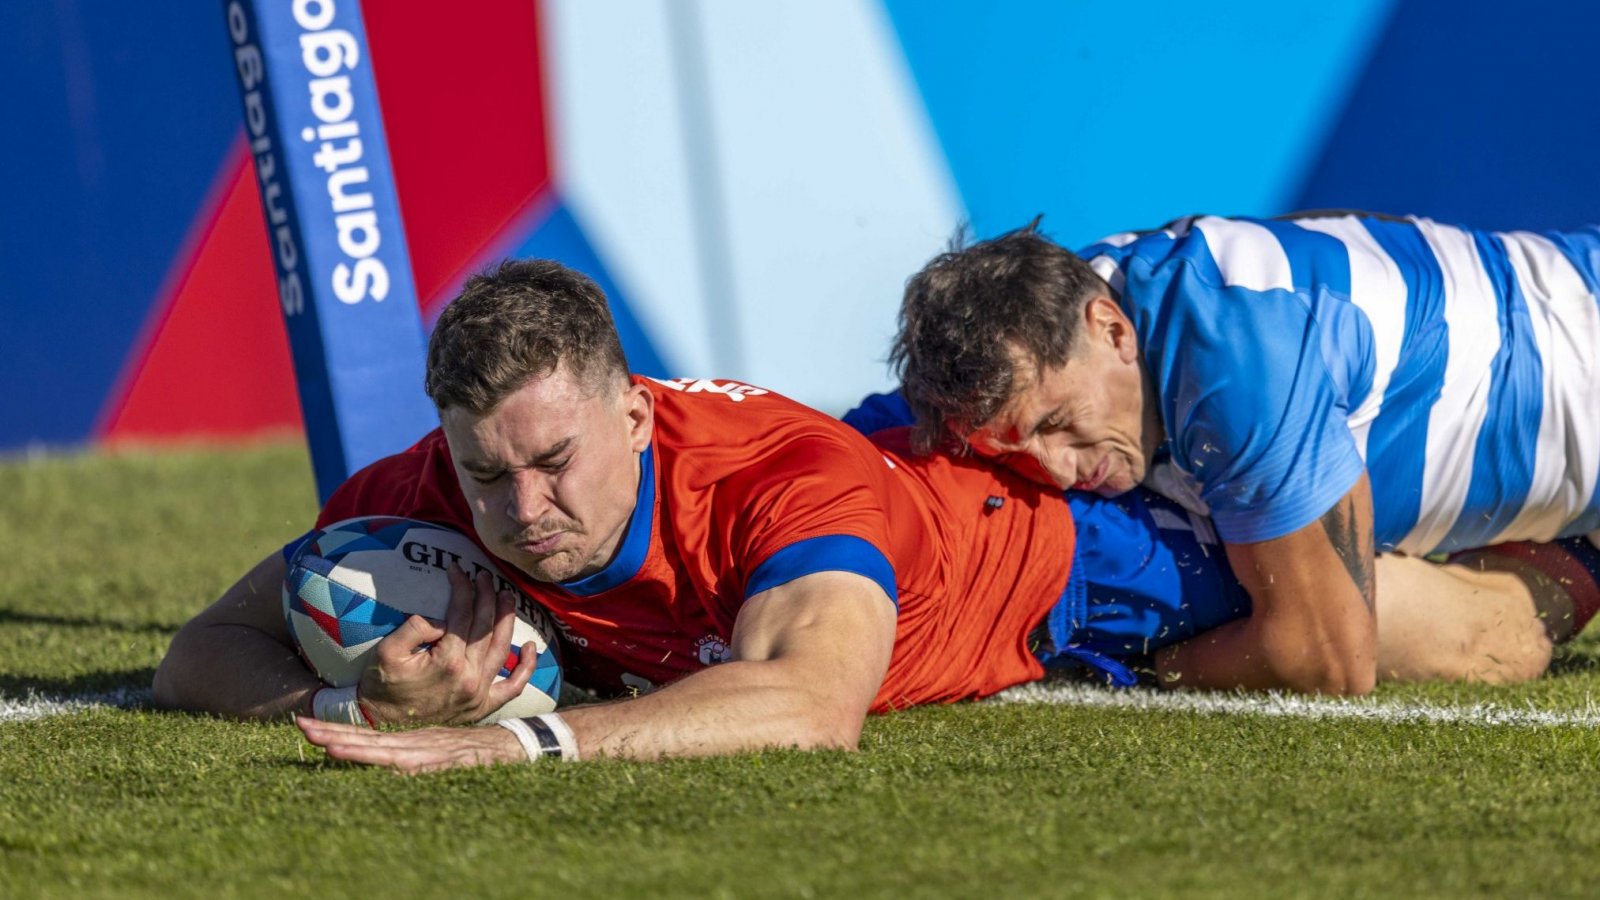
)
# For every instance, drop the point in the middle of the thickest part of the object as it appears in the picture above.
(517, 322)
(966, 310)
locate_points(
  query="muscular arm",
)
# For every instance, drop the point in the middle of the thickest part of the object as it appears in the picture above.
(235, 658)
(1313, 625)
(809, 656)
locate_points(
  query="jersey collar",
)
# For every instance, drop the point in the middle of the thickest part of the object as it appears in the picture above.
(629, 558)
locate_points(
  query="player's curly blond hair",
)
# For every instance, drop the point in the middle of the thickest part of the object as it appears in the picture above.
(968, 312)
(517, 322)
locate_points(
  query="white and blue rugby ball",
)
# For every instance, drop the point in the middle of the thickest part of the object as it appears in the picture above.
(355, 581)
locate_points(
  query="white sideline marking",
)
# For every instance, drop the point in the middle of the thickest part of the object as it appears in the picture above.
(1295, 707)
(38, 705)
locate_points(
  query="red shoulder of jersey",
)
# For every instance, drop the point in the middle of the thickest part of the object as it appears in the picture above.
(770, 489)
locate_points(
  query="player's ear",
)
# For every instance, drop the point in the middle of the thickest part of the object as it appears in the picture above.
(1099, 314)
(640, 406)
(1108, 324)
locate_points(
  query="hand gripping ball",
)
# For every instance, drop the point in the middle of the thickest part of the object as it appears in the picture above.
(352, 583)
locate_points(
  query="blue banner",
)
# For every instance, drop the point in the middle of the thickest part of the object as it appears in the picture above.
(333, 220)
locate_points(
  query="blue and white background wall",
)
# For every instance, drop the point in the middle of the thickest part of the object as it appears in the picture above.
(751, 181)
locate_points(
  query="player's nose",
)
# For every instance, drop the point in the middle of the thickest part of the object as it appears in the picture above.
(529, 498)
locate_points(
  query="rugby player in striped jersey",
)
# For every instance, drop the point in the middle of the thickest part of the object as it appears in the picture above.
(1338, 394)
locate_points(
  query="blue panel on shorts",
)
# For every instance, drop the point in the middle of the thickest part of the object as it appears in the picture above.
(1150, 575)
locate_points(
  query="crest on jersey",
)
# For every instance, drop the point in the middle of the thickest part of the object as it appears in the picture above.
(712, 649)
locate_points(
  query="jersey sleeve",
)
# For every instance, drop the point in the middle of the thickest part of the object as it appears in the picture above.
(1251, 409)
(814, 505)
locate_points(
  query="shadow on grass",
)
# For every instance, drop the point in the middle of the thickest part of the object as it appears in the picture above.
(14, 617)
(32, 687)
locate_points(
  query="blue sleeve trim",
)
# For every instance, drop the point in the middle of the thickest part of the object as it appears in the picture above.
(829, 553)
(293, 547)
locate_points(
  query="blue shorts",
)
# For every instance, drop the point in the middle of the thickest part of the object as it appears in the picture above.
(1146, 572)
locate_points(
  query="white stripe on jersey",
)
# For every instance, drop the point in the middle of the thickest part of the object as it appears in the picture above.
(1106, 267)
(1247, 254)
(1110, 272)
(1566, 329)
(1378, 290)
(1473, 338)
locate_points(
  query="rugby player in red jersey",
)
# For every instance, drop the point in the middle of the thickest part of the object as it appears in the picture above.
(755, 573)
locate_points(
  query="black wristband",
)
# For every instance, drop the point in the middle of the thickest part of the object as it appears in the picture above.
(549, 745)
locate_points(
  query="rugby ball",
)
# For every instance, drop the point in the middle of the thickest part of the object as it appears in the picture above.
(352, 583)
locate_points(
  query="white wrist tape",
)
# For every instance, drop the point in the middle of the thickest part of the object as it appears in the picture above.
(525, 737)
(331, 704)
(542, 736)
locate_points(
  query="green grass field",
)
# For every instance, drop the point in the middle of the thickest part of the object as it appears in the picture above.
(108, 555)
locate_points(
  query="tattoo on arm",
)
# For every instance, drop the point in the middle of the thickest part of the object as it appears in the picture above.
(1354, 548)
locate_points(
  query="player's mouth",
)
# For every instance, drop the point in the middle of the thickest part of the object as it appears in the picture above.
(1097, 477)
(543, 546)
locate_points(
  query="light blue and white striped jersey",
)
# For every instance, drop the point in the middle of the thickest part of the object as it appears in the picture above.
(1460, 367)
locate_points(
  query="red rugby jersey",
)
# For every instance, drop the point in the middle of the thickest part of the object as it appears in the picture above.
(743, 490)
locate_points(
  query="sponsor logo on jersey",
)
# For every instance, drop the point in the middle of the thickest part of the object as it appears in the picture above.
(712, 649)
(733, 390)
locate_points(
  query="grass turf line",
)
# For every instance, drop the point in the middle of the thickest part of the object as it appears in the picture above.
(1026, 799)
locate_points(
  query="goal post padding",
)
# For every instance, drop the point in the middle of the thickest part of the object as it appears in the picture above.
(316, 138)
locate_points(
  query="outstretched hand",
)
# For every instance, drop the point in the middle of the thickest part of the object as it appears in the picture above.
(424, 673)
(413, 752)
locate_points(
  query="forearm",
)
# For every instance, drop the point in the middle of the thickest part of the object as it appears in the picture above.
(728, 708)
(1312, 627)
(1247, 654)
(235, 671)
(234, 658)
(1226, 657)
